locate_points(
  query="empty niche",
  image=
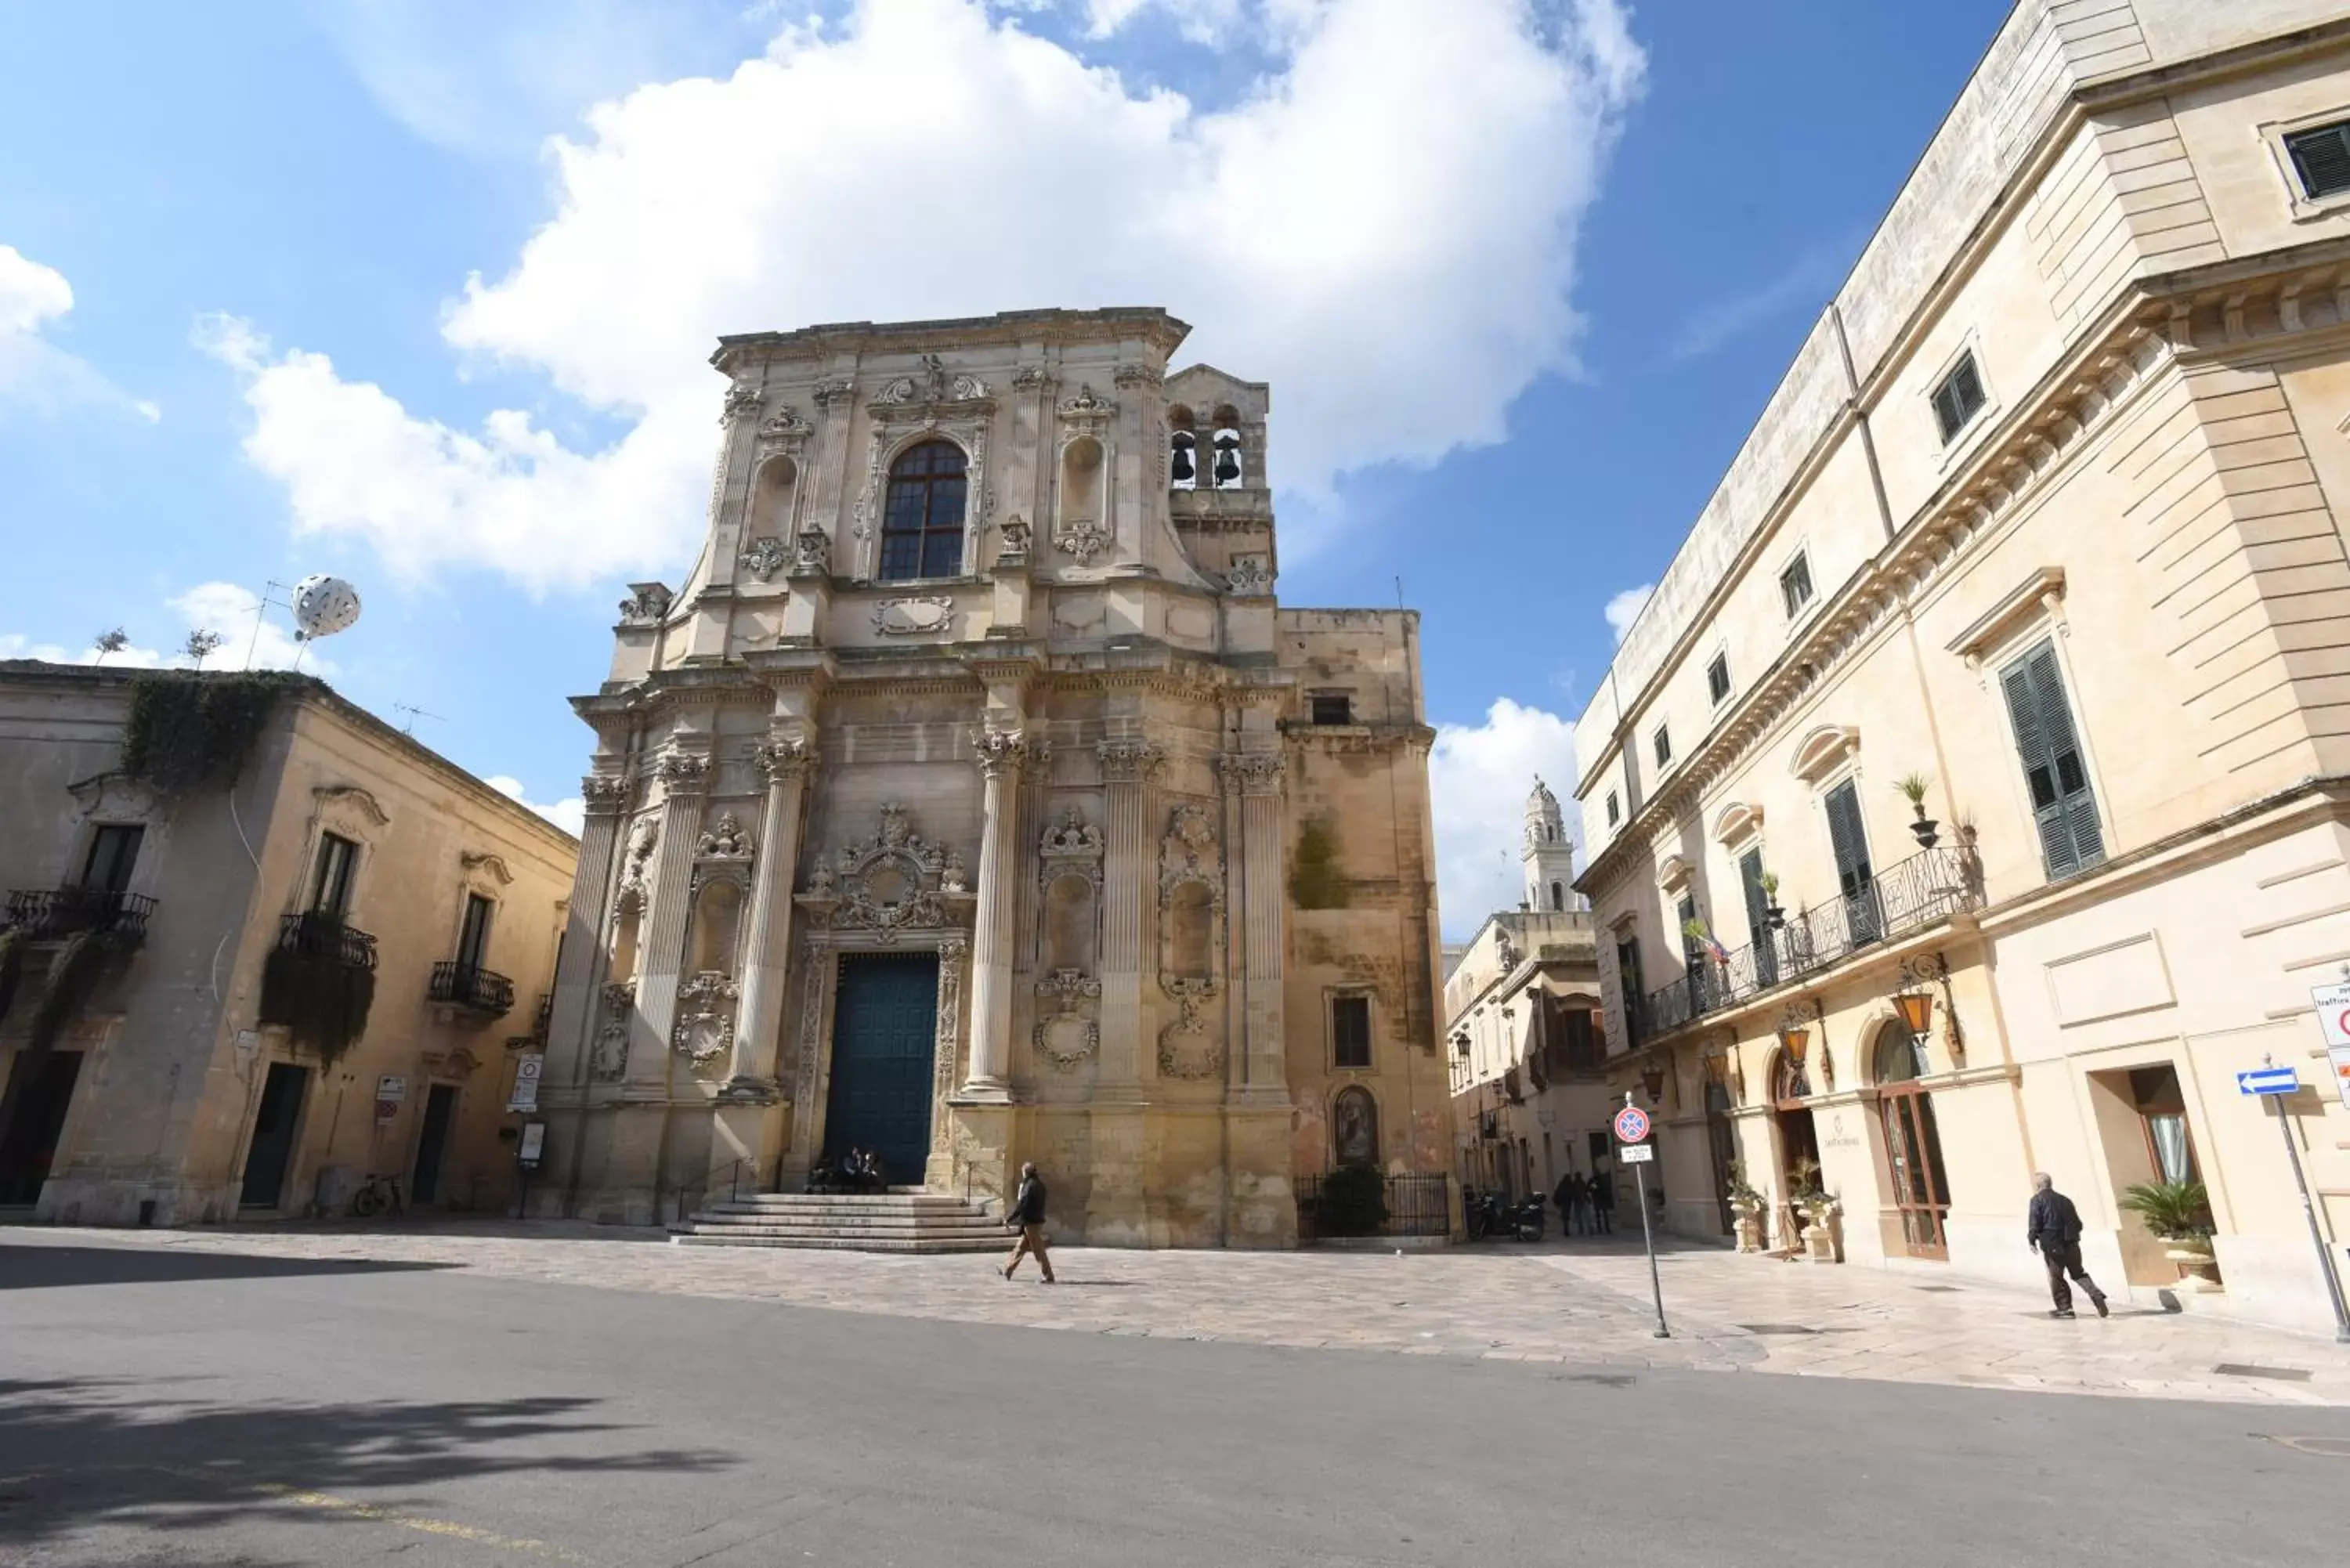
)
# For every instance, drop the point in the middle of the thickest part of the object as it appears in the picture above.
(627, 918)
(717, 927)
(1191, 931)
(772, 499)
(1081, 481)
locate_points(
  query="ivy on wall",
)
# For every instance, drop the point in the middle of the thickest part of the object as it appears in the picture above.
(190, 731)
(321, 1000)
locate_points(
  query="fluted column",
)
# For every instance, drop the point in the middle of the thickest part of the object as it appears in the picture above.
(1002, 753)
(1263, 837)
(685, 779)
(1128, 767)
(583, 931)
(785, 762)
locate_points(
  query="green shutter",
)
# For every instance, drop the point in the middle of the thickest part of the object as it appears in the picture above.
(2064, 807)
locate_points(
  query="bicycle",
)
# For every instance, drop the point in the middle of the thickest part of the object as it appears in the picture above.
(369, 1201)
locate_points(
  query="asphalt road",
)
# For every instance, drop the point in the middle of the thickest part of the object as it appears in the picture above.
(160, 1407)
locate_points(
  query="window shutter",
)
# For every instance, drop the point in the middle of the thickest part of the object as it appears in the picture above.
(1850, 841)
(2076, 805)
(2323, 158)
(1750, 874)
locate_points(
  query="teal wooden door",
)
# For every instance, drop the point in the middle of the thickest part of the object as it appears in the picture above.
(884, 1039)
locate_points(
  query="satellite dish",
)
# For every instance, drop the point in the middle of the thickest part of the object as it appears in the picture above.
(324, 606)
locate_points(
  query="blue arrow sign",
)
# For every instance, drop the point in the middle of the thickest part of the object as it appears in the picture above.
(2267, 1081)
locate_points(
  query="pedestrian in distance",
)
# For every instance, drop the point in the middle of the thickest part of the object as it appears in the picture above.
(1028, 1215)
(1570, 1203)
(1603, 1203)
(2053, 1228)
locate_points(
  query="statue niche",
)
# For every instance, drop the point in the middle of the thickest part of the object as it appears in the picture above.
(1191, 941)
(1068, 1026)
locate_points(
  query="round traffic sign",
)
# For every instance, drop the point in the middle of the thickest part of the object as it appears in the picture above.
(1631, 1125)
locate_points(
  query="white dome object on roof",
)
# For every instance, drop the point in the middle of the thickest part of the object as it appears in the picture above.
(324, 606)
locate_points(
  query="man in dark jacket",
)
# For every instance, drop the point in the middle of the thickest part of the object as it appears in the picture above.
(1028, 1214)
(2053, 1227)
(1569, 1198)
(1602, 1202)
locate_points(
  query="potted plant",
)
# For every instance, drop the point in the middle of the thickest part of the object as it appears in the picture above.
(1817, 1206)
(1746, 1206)
(1913, 789)
(1774, 915)
(2179, 1215)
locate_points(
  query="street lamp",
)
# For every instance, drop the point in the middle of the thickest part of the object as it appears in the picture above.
(1652, 1076)
(1917, 1011)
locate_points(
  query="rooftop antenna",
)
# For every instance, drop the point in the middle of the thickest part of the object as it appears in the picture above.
(261, 607)
(414, 713)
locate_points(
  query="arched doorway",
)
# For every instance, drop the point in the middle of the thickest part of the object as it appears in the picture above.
(1913, 1144)
(1799, 1142)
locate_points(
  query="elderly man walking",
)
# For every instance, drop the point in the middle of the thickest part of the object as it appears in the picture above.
(2053, 1226)
(1029, 1213)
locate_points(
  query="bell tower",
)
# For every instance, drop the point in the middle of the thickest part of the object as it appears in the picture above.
(1548, 854)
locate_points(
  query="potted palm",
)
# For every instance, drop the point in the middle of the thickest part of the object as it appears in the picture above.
(1925, 829)
(1774, 914)
(1746, 1207)
(2179, 1215)
(1817, 1206)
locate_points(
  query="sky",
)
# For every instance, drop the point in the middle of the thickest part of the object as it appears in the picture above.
(420, 293)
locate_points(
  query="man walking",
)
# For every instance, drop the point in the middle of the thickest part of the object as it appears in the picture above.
(1602, 1202)
(1569, 1197)
(1029, 1213)
(2053, 1226)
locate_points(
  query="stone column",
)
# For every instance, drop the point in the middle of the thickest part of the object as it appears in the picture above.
(685, 778)
(1128, 767)
(1001, 754)
(568, 1031)
(1264, 838)
(785, 762)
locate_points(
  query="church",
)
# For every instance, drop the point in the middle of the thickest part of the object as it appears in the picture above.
(975, 800)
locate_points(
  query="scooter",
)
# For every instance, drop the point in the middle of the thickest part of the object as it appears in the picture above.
(1492, 1217)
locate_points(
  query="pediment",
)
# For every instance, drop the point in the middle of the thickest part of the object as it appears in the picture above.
(1821, 751)
(1737, 821)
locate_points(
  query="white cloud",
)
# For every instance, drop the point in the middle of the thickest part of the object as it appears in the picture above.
(1384, 228)
(1625, 609)
(251, 639)
(1811, 279)
(571, 815)
(1479, 777)
(35, 373)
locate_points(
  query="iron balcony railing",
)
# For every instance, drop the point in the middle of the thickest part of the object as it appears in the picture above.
(1928, 887)
(48, 913)
(324, 937)
(472, 988)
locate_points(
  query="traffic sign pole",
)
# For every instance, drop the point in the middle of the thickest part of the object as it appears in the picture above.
(2309, 1212)
(1631, 1114)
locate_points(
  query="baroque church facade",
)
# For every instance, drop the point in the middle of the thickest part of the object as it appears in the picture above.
(974, 800)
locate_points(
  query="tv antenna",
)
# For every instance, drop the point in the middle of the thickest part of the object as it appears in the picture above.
(261, 604)
(414, 713)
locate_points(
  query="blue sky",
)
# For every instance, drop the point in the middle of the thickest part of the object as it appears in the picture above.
(300, 288)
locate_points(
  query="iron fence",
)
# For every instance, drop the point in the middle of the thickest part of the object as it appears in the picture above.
(472, 987)
(324, 936)
(44, 914)
(1420, 1204)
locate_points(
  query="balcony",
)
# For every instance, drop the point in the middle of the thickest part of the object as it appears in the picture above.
(482, 993)
(1927, 888)
(52, 914)
(324, 937)
(318, 984)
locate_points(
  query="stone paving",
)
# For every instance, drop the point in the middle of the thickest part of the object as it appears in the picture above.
(1579, 1305)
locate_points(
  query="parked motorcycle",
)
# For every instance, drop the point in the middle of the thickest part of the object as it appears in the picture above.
(1492, 1217)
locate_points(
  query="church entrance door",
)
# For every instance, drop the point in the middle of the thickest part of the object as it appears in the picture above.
(884, 1039)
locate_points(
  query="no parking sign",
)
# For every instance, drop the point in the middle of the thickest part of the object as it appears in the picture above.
(1631, 1125)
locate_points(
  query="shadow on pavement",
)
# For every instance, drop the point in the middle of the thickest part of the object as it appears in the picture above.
(81, 1453)
(50, 1267)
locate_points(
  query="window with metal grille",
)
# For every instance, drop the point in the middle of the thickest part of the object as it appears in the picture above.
(1959, 398)
(2321, 158)
(2064, 807)
(1664, 744)
(1795, 585)
(921, 524)
(1350, 1031)
(1334, 710)
(1717, 676)
(1614, 809)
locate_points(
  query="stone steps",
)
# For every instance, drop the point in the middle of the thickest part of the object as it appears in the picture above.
(896, 1221)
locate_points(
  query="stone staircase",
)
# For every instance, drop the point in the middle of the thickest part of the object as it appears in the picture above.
(904, 1220)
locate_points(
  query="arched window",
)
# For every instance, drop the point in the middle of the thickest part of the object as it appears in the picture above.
(1228, 459)
(921, 525)
(1557, 897)
(1901, 1055)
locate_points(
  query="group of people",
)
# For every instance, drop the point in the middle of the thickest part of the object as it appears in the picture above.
(1586, 1205)
(858, 1171)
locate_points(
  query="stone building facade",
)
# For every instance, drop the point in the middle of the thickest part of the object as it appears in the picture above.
(342, 861)
(2045, 525)
(974, 800)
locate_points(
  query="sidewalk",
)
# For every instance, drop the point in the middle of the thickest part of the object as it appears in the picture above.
(1580, 1304)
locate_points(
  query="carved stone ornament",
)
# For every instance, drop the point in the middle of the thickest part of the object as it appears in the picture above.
(782, 423)
(1014, 532)
(1069, 1033)
(601, 793)
(1074, 846)
(1088, 408)
(946, 1050)
(489, 863)
(1031, 377)
(641, 844)
(998, 749)
(832, 392)
(891, 882)
(1254, 772)
(1135, 376)
(1082, 537)
(912, 617)
(1130, 761)
(811, 551)
(764, 556)
(1251, 575)
(1186, 1049)
(609, 1057)
(784, 756)
(647, 603)
(1188, 856)
(705, 1035)
(728, 840)
(932, 384)
(743, 401)
(684, 770)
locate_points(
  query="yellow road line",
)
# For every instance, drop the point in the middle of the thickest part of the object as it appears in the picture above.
(370, 1512)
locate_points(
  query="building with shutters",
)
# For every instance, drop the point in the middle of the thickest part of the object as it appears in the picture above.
(974, 800)
(2045, 525)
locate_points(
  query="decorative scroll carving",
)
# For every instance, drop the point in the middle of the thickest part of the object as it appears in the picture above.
(784, 757)
(832, 392)
(1190, 941)
(604, 794)
(1031, 377)
(743, 401)
(1070, 1033)
(683, 772)
(1083, 538)
(947, 1046)
(783, 424)
(1186, 1049)
(609, 1058)
(764, 556)
(727, 840)
(485, 861)
(816, 974)
(888, 883)
(998, 749)
(1254, 772)
(641, 844)
(1250, 575)
(1087, 410)
(932, 384)
(1074, 846)
(646, 605)
(704, 1032)
(1135, 376)
(1130, 761)
(909, 616)
(1014, 532)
